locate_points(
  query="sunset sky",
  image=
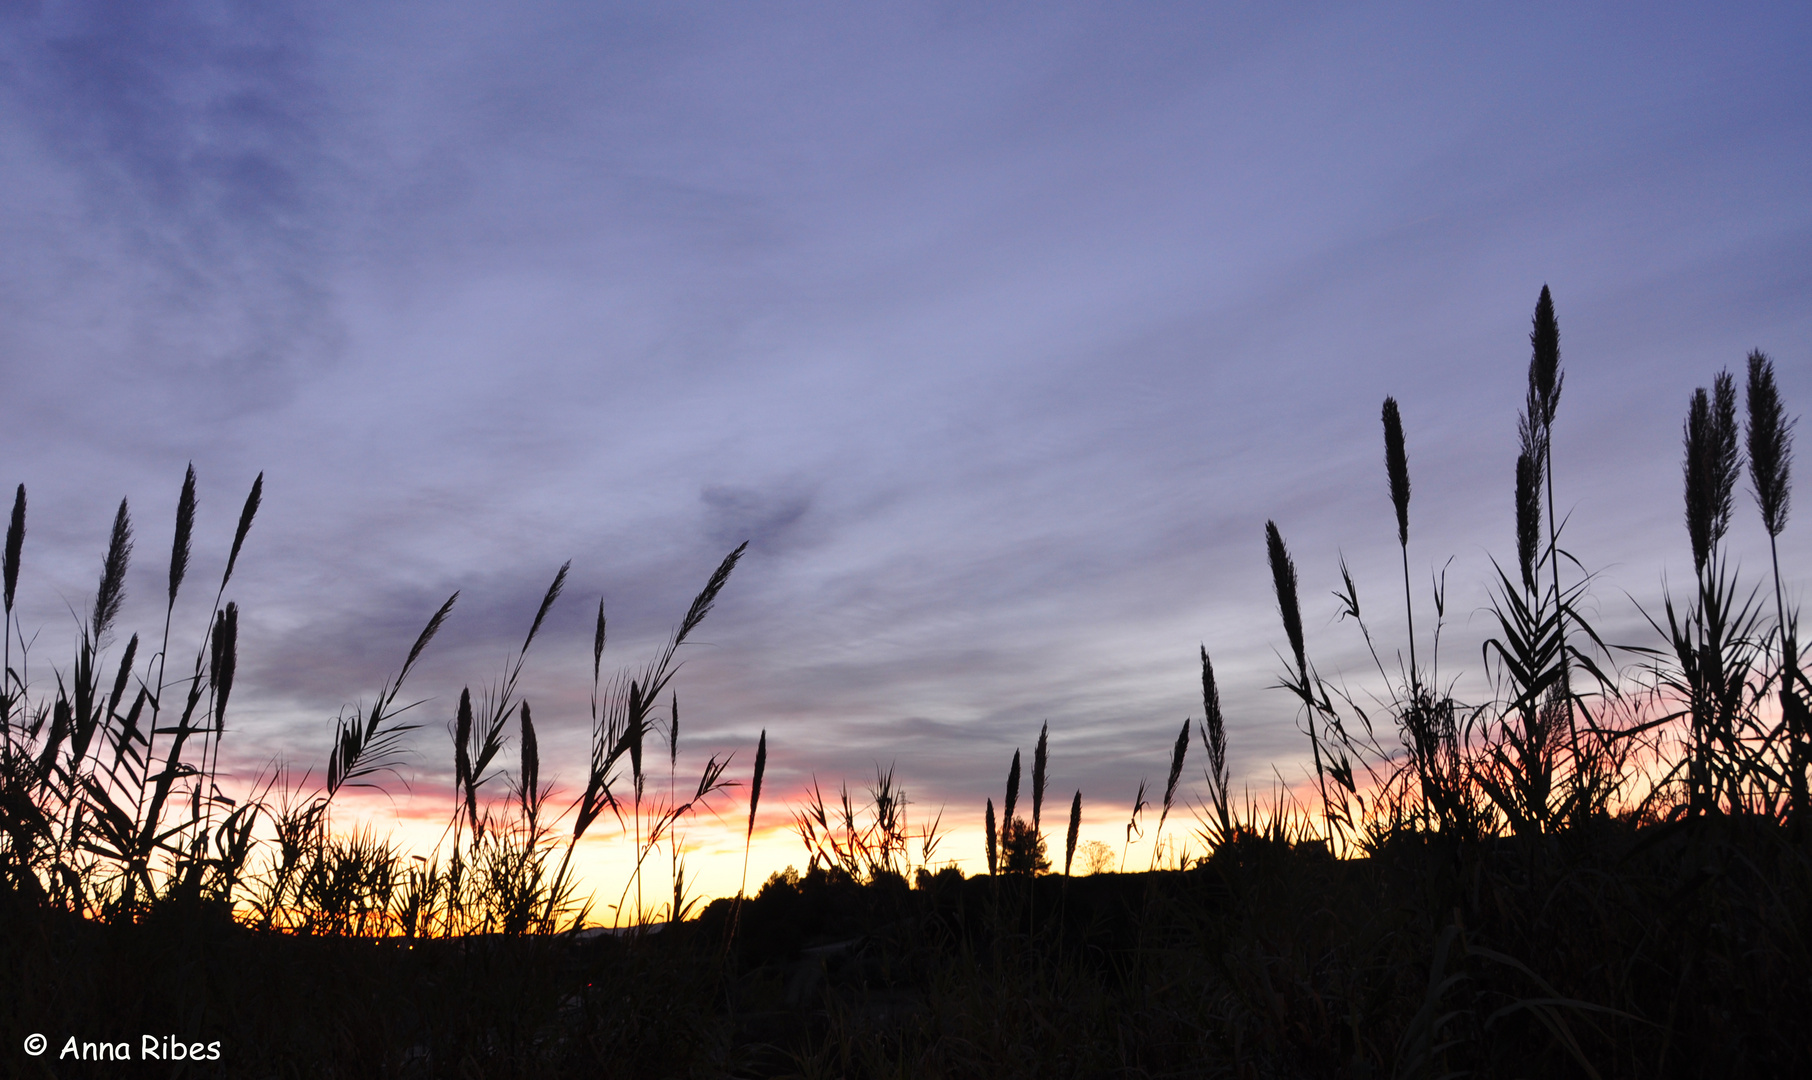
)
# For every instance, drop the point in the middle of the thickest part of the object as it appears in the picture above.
(999, 331)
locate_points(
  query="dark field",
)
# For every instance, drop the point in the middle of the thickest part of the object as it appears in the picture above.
(1676, 951)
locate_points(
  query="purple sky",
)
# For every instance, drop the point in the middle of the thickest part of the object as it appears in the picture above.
(999, 333)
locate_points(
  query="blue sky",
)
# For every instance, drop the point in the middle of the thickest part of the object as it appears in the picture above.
(999, 333)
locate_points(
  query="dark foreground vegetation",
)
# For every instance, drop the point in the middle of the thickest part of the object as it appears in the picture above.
(1604, 869)
(1676, 952)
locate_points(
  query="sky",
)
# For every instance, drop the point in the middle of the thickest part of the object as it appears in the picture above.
(997, 331)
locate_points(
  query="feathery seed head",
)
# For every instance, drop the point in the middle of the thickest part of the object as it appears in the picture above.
(1528, 515)
(1283, 579)
(597, 643)
(427, 635)
(1012, 790)
(701, 604)
(1544, 363)
(15, 541)
(125, 674)
(246, 514)
(1069, 843)
(112, 592)
(1176, 765)
(1039, 758)
(462, 735)
(761, 765)
(1712, 466)
(1396, 462)
(1770, 448)
(1214, 730)
(531, 763)
(547, 601)
(185, 526)
(1698, 486)
(637, 723)
(224, 660)
(993, 848)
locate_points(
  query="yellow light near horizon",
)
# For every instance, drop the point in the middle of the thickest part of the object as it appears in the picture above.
(711, 847)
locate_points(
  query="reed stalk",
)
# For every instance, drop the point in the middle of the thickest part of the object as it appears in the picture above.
(1537, 428)
(1069, 842)
(1214, 744)
(993, 842)
(1711, 465)
(1396, 461)
(1040, 758)
(1528, 517)
(1770, 445)
(1132, 824)
(1170, 786)
(12, 686)
(748, 837)
(1006, 820)
(1324, 727)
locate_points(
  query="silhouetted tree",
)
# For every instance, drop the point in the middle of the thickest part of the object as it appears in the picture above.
(1023, 849)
